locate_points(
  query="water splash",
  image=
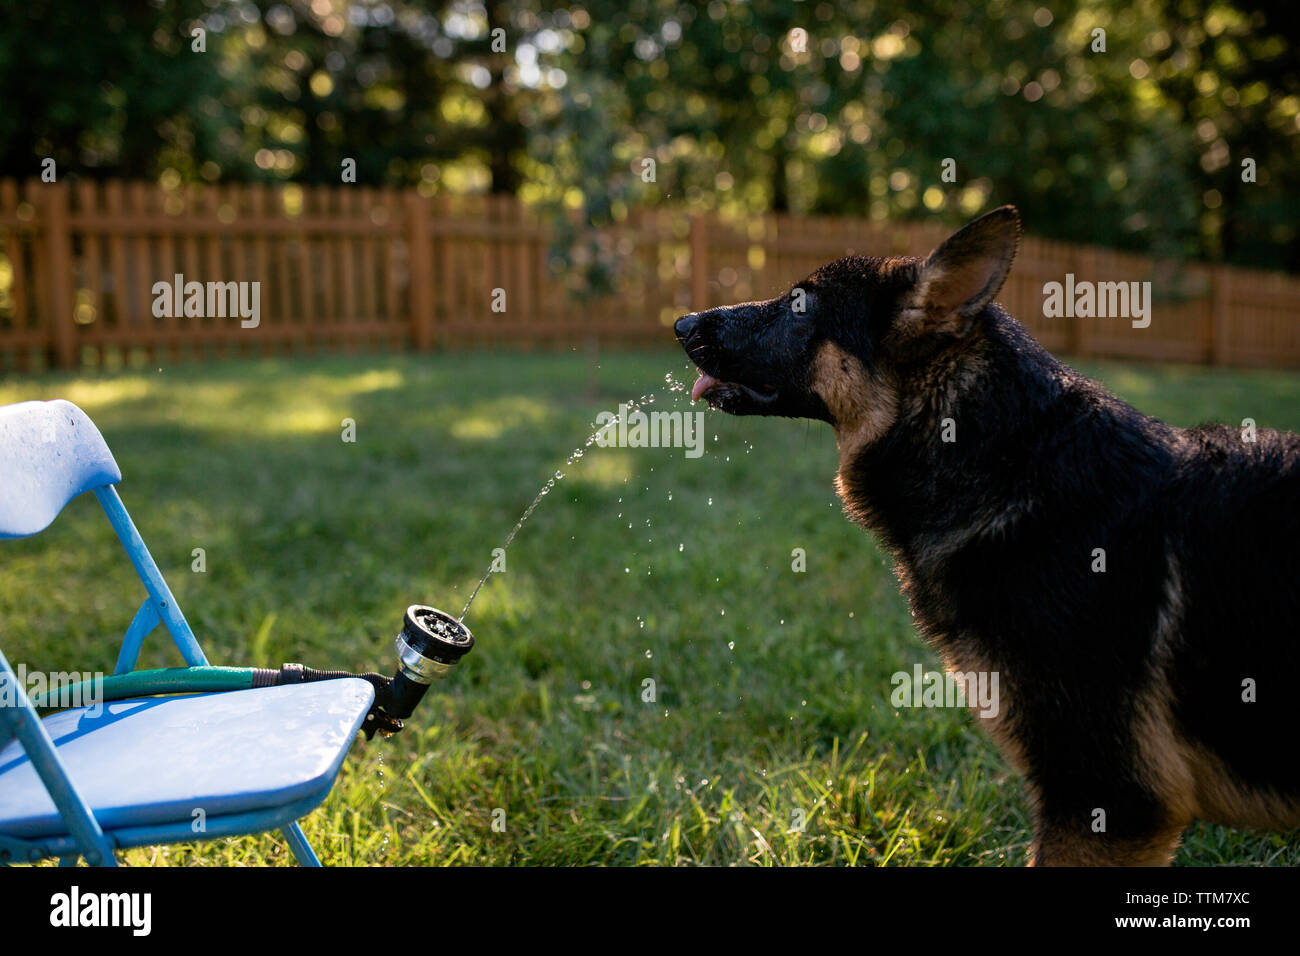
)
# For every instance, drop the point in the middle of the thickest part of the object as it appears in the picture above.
(578, 452)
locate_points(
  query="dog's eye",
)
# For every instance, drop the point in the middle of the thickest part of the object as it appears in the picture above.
(799, 309)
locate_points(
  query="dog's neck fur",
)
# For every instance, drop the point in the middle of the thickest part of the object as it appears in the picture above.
(996, 386)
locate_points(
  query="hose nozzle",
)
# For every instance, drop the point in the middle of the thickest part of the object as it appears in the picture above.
(430, 644)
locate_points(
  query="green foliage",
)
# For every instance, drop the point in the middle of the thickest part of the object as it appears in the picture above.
(844, 107)
(102, 87)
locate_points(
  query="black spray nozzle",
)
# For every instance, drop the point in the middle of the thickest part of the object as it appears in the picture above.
(431, 643)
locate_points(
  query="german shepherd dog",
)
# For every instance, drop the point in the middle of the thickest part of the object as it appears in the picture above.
(1136, 587)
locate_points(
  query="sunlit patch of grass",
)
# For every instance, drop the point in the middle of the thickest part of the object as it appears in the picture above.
(605, 468)
(493, 418)
(88, 394)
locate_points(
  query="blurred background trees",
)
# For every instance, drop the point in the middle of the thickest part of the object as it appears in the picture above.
(848, 107)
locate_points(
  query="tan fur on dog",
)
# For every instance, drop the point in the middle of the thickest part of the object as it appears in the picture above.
(863, 407)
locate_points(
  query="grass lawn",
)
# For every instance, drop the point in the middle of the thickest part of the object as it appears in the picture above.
(771, 687)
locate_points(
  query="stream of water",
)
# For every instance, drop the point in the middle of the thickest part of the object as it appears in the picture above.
(673, 386)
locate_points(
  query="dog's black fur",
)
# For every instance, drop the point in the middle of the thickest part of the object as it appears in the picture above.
(1121, 690)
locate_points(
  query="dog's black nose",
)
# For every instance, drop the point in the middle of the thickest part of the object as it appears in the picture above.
(685, 326)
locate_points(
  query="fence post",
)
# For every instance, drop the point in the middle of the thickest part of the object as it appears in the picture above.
(58, 253)
(420, 267)
(699, 262)
(1220, 321)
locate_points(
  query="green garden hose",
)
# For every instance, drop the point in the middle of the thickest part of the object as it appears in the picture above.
(168, 680)
(209, 680)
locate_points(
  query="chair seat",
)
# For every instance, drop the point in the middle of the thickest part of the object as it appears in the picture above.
(157, 760)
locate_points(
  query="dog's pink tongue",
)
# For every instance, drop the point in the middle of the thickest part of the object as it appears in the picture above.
(702, 385)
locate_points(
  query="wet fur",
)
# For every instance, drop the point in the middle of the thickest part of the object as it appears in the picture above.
(1120, 691)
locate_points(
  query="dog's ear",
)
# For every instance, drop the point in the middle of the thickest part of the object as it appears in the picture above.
(962, 275)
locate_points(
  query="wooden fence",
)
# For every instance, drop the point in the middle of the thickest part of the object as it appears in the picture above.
(343, 267)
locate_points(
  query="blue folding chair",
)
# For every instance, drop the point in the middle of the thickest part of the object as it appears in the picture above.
(91, 780)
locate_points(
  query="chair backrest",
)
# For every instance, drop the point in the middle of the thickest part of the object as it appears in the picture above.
(50, 452)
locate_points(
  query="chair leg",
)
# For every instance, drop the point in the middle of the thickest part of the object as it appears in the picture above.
(31, 733)
(298, 843)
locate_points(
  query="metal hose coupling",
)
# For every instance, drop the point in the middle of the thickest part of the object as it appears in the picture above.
(430, 644)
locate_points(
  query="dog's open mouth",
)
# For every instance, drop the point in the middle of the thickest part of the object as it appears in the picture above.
(721, 394)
